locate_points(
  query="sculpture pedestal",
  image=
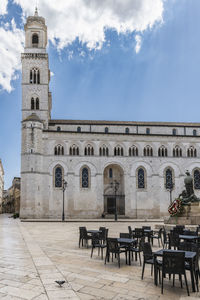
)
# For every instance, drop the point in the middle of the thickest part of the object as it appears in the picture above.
(190, 216)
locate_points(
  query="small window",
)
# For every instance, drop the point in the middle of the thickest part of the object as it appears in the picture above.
(197, 179)
(58, 177)
(194, 132)
(110, 173)
(32, 103)
(37, 104)
(127, 130)
(174, 131)
(85, 178)
(106, 130)
(58, 128)
(35, 40)
(147, 130)
(78, 129)
(141, 178)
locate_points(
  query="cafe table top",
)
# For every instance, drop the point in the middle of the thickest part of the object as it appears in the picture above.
(188, 237)
(188, 254)
(94, 231)
(126, 240)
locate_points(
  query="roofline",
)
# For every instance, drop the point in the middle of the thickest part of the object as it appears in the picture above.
(127, 123)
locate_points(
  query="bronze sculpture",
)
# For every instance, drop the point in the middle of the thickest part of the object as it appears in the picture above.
(187, 196)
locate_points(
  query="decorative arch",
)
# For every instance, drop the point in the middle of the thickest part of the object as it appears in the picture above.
(162, 151)
(74, 150)
(177, 151)
(148, 151)
(103, 151)
(133, 151)
(58, 174)
(118, 151)
(191, 151)
(59, 150)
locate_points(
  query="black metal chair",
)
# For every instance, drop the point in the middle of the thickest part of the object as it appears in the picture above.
(130, 230)
(174, 264)
(194, 248)
(113, 247)
(83, 236)
(165, 238)
(174, 240)
(137, 249)
(125, 235)
(148, 258)
(157, 235)
(103, 234)
(97, 243)
(138, 234)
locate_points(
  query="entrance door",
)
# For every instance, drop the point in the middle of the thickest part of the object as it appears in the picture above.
(110, 205)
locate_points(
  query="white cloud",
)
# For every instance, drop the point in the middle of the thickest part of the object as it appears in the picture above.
(3, 7)
(68, 20)
(11, 46)
(88, 19)
(138, 40)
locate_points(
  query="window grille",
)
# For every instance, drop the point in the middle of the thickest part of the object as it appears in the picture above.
(197, 179)
(58, 177)
(141, 178)
(168, 179)
(85, 178)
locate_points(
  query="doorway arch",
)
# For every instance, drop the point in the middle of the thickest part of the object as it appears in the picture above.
(113, 179)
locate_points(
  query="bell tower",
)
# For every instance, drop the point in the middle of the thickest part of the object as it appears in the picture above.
(36, 98)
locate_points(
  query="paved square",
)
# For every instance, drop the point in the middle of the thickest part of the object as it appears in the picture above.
(35, 254)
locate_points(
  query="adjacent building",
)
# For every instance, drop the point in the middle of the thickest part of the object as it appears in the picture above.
(1, 184)
(128, 165)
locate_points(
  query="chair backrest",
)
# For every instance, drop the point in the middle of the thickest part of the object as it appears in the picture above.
(102, 234)
(164, 235)
(160, 232)
(124, 235)
(174, 239)
(112, 245)
(173, 262)
(147, 251)
(83, 231)
(139, 232)
(146, 227)
(95, 239)
(179, 229)
(141, 243)
(130, 230)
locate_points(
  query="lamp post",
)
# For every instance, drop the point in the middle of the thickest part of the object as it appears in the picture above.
(115, 186)
(64, 185)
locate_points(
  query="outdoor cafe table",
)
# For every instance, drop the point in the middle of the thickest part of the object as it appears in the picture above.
(94, 231)
(188, 238)
(189, 257)
(128, 243)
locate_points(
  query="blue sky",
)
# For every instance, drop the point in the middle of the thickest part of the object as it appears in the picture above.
(159, 83)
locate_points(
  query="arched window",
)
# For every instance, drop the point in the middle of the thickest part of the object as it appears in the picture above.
(196, 179)
(78, 129)
(174, 131)
(35, 76)
(194, 132)
(133, 151)
(59, 150)
(37, 104)
(89, 150)
(127, 130)
(177, 151)
(147, 130)
(162, 151)
(35, 40)
(58, 128)
(118, 151)
(32, 103)
(110, 173)
(191, 152)
(169, 179)
(74, 150)
(58, 176)
(106, 130)
(85, 177)
(103, 151)
(148, 151)
(141, 182)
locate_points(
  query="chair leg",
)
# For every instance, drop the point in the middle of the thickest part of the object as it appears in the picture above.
(162, 283)
(143, 269)
(119, 260)
(92, 251)
(159, 242)
(151, 270)
(186, 284)
(173, 279)
(140, 259)
(180, 278)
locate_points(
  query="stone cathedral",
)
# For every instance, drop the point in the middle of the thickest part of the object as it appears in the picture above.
(125, 166)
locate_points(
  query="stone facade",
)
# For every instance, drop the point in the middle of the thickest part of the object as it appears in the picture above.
(93, 155)
(11, 198)
(1, 184)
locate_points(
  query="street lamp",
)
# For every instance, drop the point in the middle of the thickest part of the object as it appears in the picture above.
(115, 186)
(64, 185)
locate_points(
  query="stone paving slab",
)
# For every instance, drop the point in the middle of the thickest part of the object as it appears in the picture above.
(33, 255)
